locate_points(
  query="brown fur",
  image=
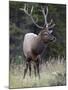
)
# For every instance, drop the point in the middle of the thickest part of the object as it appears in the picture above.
(35, 48)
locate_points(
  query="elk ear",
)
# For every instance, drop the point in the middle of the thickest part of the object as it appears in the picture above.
(50, 31)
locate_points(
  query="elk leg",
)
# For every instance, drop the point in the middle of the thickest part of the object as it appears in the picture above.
(35, 69)
(29, 68)
(25, 70)
(37, 66)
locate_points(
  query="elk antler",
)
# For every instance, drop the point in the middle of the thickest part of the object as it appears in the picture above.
(45, 18)
(25, 9)
(30, 14)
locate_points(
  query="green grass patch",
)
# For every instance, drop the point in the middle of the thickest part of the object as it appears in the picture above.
(52, 75)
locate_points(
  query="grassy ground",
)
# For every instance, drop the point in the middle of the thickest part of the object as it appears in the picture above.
(52, 75)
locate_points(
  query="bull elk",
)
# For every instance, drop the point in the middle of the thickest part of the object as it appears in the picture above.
(34, 44)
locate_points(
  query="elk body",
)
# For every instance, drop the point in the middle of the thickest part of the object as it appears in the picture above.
(34, 44)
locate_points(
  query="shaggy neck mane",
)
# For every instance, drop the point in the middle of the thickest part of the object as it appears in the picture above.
(38, 45)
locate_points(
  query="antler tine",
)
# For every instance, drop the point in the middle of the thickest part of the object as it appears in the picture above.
(32, 9)
(46, 10)
(50, 22)
(45, 16)
(25, 9)
(52, 26)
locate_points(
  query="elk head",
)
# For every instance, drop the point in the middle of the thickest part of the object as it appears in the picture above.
(47, 29)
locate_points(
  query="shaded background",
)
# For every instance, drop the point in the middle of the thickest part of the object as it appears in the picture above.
(20, 24)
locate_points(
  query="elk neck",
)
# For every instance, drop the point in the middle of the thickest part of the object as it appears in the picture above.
(38, 46)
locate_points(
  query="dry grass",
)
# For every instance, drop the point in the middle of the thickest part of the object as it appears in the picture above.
(52, 75)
